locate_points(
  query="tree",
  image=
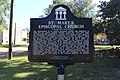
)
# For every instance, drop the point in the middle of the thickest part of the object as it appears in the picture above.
(55, 2)
(97, 28)
(80, 8)
(4, 8)
(110, 16)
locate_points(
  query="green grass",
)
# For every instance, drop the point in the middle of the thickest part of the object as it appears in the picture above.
(19, 68)
(100, 69)
(4, 46)
(17, 45)
(105, 47)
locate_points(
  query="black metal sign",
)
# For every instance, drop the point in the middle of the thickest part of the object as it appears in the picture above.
(61, 38)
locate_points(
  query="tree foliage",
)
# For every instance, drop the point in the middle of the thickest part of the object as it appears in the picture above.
(55, 2)
(97, 27)
(110, 15)
(4, 8)
(80, 8)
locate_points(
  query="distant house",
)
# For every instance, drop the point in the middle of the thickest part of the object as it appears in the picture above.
(101, 39)
(1, 37)
(4, 37)
(19, 36)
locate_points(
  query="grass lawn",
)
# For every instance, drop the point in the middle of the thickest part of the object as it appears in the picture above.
(17, 45)
(20, 69)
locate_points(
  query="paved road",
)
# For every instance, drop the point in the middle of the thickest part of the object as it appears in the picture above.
(15, 50)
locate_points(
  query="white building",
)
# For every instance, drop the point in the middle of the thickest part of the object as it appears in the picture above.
(19, 36)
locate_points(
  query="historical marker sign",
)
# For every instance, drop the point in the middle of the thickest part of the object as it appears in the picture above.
(61, 38)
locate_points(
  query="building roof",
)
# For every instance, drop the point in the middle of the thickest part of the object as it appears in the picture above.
(60, 9)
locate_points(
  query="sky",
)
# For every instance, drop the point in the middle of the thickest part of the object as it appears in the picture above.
(26, 9)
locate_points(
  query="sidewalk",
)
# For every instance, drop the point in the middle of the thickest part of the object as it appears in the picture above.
(15, 50)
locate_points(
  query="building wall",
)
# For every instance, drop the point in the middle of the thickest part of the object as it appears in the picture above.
(5, 36)
(17, 38)
(1, 37)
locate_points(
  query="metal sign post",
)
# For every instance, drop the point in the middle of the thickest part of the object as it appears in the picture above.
(61, 69)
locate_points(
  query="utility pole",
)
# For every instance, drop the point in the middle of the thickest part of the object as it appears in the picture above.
(10, 30)
(15, 34)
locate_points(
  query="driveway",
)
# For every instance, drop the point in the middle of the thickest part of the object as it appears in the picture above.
(15, 50)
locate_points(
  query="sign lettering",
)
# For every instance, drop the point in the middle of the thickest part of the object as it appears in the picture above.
(61, 38)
